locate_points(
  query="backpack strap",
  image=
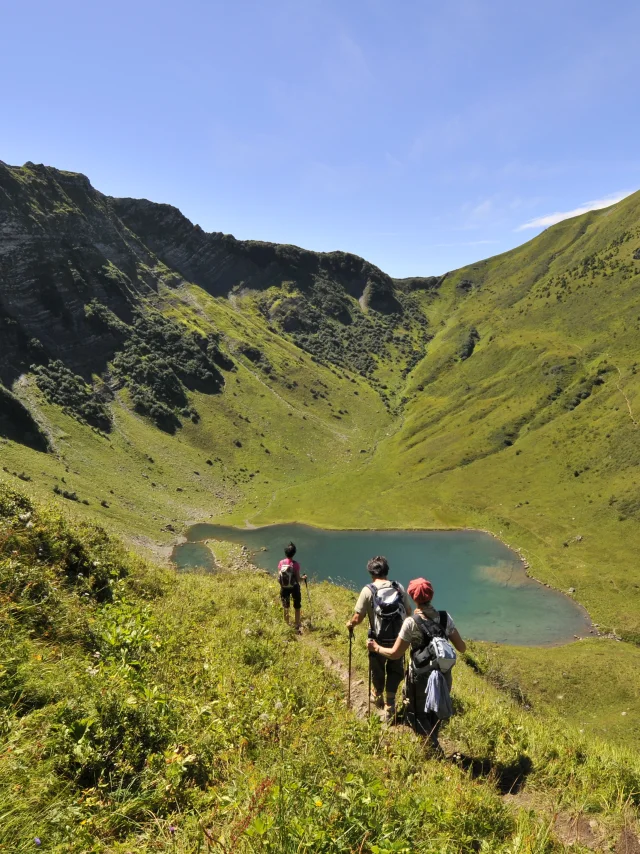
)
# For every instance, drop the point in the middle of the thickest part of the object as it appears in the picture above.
(374, 595)
(443, 621)
(423, 624)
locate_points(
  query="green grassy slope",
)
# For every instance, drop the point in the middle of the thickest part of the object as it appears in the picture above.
(564, 681)
(522, 418)
(535, 434)
(144, 710)
(263, 434)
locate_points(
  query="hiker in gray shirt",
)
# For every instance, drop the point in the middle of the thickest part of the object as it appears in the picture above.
(385, 604)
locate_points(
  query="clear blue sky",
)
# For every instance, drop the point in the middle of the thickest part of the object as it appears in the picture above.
(420, 134)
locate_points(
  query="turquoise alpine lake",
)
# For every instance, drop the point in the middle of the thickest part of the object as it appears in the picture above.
(189, 556)
(478, 579)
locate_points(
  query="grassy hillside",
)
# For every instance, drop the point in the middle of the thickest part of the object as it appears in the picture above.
(534, 433)
(150, 711)
(280, 419)
(309, 387)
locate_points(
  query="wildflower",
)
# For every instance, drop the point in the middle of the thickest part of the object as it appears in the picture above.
(278, 706)
(172, 829)
(37, 841)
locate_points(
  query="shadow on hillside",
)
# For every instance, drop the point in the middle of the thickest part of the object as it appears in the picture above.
(509, 778)
(213, 384)
(18, 424)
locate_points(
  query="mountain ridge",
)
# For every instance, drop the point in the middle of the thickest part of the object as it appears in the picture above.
(503, 395)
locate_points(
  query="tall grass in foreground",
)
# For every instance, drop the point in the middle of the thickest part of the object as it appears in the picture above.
(143, 711)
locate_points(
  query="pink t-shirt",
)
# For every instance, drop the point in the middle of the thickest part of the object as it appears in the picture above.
(296, 568)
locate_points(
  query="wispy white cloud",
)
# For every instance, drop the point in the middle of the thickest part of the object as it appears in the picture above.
(595, 205)
(480, 213)
(483, 210)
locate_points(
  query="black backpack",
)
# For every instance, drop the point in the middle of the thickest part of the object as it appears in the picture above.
(422, 656)
(388, 613)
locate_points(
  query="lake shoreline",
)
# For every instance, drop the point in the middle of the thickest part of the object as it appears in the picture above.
(586, 628)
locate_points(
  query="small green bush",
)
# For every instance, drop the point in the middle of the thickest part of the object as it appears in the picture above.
(69, 391)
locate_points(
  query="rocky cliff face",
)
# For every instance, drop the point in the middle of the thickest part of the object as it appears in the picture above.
(65, 246)
(218, 262)
(61, 246)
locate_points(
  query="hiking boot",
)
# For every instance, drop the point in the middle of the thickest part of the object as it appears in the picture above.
(389, 716)
(377, 700)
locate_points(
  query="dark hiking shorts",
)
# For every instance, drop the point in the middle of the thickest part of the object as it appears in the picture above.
(287, 592)
(386, 673)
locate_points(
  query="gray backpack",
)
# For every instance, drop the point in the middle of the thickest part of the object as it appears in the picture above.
(436, 653)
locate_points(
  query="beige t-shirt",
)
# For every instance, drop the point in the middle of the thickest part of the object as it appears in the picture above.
(410, 631)
(364, 605)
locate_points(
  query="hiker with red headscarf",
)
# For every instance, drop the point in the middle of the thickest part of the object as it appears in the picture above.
(417, 633)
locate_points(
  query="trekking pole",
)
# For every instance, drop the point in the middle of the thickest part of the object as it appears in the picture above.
(370, 635)
(350, 655)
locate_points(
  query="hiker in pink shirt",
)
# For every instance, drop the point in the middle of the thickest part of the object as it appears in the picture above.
(289, 578)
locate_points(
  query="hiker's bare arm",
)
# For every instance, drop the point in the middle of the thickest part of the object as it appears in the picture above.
(457, 641)
(396, 651)
(355, 620)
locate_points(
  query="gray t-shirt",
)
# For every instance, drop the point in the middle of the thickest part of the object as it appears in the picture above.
(364, 605)
(410, 631)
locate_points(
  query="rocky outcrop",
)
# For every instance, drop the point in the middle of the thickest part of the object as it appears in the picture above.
(218, 262)
(61, 246)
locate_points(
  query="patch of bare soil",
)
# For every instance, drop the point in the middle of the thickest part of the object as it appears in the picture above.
(571, 828)
(580, 829)
(157, 552)
(628, 842)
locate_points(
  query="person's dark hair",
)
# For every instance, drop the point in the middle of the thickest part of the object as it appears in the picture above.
(290, 550)
(378, 567)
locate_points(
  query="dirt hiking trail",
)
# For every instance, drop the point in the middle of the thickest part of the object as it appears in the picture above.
(572, 830)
